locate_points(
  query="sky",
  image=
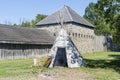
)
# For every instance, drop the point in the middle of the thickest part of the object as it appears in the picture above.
(16, 11)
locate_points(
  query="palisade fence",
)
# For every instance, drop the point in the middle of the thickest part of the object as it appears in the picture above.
(14, 51)
(104, 43)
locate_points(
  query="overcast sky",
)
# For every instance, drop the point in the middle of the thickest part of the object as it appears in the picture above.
(15, 11)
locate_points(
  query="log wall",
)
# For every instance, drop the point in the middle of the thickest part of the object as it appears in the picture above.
(13, 51)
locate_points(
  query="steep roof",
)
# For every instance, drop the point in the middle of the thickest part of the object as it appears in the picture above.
(67, 14)
(22, 35)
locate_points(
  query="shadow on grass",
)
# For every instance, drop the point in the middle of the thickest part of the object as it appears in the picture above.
(113, 63)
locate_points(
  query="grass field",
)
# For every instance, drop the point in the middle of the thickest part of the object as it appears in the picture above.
(103, 65)
(100, 66)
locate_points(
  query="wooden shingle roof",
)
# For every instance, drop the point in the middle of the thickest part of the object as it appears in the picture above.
(22, 35)
(67, 14)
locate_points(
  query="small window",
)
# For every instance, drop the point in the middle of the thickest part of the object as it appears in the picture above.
(82, 35)
(79, 35)
(54, 34)
(89, 36)
(75, 34)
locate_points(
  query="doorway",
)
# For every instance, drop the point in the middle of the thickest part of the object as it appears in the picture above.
(60, 58)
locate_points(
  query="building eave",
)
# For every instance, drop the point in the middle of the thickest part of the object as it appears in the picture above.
(22, 42)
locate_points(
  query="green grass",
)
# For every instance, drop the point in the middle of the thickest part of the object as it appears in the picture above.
(20, 68)
(103, 65)
(100, 65)
(15, 67)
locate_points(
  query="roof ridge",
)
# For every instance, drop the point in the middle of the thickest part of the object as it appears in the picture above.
(66, 7)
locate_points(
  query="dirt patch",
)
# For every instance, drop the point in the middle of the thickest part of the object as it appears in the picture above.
(57, 74)
(65, 74)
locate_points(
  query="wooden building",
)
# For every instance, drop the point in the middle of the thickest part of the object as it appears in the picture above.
(20, 42)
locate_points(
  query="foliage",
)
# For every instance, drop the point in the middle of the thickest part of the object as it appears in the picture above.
(116, 35)
(102, 14)
(32, 23)
(26, 24)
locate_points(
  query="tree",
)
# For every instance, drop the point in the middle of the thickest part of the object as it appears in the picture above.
(39, 17)
(101, 14)
(116, 36)
(26, 24)
(33, 22)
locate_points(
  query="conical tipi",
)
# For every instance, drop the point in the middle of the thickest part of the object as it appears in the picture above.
(64, 52)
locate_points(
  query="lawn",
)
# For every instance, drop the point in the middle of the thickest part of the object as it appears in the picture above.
(100, 66)
(103, 65)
